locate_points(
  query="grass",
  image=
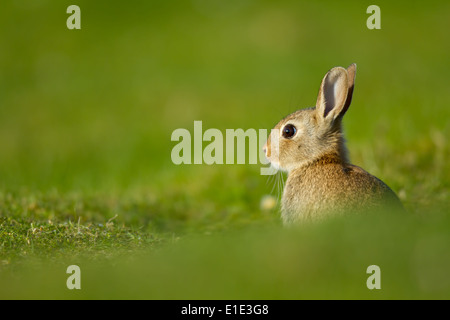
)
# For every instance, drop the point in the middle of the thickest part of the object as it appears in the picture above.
(85, 171)
(325, 261)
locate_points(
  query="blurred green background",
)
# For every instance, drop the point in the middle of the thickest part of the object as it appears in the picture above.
(86, 118)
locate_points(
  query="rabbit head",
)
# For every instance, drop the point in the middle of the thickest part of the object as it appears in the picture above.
(310, 134)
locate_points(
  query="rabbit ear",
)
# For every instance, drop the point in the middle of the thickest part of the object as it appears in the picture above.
(333, 94)
(351, 74)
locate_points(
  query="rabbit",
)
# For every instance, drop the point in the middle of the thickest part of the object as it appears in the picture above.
(309, 145)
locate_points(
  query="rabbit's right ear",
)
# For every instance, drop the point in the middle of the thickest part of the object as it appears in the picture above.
(334, 89)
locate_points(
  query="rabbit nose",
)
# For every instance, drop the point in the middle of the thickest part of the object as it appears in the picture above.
(266, 150)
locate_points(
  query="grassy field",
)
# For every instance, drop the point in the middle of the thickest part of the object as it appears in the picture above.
(86, 178)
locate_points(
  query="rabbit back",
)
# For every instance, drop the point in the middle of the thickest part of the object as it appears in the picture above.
(329, 187)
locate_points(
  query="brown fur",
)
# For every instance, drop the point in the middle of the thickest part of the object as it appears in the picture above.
(321, 181)
(328, 186)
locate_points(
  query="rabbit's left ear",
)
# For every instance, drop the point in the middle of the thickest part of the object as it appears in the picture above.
(351, 74)
(335, 94)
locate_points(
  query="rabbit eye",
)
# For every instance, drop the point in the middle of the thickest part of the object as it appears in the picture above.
(289, 131)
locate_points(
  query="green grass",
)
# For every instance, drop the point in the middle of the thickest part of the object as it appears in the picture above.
(325, 261)
(85, 172)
